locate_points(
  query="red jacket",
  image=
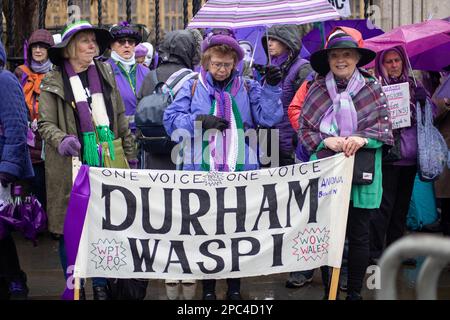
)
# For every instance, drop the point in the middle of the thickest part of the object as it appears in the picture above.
(295, 107)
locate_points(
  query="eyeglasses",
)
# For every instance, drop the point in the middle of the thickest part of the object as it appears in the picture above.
(122, 41)
(39, 46)
(219, 65)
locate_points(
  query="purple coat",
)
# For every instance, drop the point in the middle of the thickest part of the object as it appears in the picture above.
(258, 106)
(289, 86)
(128, 96)
(408, 135)
(14, 156)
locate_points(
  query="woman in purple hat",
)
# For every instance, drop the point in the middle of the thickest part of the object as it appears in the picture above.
(140, 53)
(37, 65)
(129, 74)
(223, 106)
(80, 108)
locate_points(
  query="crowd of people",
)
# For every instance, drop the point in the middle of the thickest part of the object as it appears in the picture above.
(71, 97)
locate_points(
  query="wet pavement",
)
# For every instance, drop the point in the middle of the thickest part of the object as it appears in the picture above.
(46, 281)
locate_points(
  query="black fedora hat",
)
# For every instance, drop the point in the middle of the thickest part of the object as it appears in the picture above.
(102, 36)
(341, 38)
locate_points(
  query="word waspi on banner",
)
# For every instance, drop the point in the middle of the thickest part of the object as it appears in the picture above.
(209, 225)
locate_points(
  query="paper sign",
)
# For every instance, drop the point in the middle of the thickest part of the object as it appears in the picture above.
(398, 99)
(342, 6)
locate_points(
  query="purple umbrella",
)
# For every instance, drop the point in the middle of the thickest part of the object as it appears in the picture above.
(313, 42)
(26, 216)
(253, 35)
(238, 14)
(235, 14)
(427, 44)
(10, 216)
(34, 218)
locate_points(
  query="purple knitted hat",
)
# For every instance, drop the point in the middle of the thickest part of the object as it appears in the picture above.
(140, 51)
(218, 38)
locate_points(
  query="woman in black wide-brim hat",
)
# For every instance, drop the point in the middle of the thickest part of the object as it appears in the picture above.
(346, 110)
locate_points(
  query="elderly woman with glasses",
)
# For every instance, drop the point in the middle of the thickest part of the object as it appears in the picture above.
(30, 74)
(129, 74)
(221, 106)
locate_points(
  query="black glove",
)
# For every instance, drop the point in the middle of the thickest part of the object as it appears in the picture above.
(420, 94)
(273, 75)
(212, 122)
(6, 178)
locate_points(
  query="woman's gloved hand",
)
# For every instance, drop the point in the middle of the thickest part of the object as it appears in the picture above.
(273, 75)
(69, 146)
(133, 163)
(210, 121)
(420, 94)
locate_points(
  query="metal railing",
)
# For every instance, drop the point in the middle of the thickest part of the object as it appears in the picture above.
(436, 249)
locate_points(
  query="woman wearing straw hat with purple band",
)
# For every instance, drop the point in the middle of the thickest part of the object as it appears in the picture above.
(346, 110)
(67, 125)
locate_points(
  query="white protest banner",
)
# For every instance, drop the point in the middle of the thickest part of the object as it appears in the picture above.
(398, 99)
(342, 6)
(210, 225)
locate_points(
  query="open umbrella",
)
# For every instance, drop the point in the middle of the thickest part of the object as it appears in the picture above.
(427, 44)
(234, 14)
(312, 41)
(238, 14)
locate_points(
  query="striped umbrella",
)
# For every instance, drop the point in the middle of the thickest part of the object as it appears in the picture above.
(235, 14)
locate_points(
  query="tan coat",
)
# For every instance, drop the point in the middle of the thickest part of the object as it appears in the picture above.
(442, 185)
(56, 120)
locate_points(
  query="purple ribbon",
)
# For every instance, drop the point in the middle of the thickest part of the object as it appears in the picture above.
(73, 224)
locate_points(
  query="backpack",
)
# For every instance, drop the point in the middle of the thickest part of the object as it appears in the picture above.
(422, 207)
(432, 149)
(150, 112)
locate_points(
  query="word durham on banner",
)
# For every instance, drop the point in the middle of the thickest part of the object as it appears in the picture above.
(201, 225)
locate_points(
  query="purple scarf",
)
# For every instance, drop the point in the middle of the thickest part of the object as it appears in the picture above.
(230, 158)
(41, 67)
(341, 118)
(279, 60)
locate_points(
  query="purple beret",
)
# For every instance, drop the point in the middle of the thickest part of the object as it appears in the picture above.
(218, 39)
(140, 51)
